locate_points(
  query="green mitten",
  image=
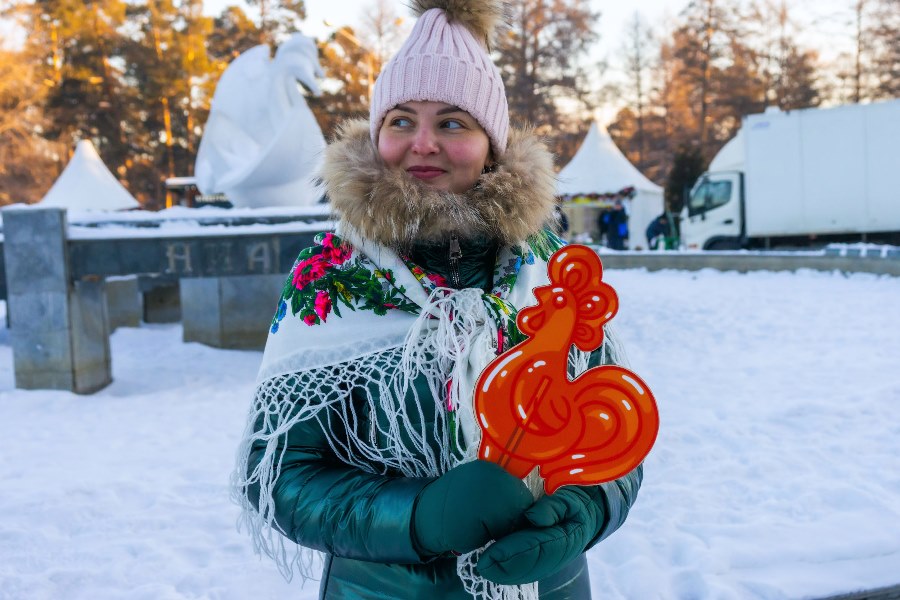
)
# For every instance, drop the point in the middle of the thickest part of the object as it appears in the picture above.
(466, 507)
(564, 524)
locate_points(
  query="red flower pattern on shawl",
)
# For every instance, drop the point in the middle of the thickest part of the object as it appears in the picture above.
(323, 304)
(314, 268)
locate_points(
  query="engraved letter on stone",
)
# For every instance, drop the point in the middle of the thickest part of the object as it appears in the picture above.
(259, 258)
(179, 255)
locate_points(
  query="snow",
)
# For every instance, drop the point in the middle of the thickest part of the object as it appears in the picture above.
(776, 473)
(183, 213)
(181, 221)
(169, 229)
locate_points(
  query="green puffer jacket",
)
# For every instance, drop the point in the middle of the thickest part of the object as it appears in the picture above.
(362, 520)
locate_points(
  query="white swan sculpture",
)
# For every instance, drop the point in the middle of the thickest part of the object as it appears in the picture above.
(261, 145)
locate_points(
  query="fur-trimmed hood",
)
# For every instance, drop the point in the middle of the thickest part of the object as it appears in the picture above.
(510, 203)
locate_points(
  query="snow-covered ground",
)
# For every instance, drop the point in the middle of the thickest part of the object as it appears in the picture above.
(776, 473)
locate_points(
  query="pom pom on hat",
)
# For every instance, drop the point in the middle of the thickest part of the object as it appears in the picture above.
(445, 59)
(478, 16)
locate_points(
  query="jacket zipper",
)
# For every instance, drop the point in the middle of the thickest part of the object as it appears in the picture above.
(455, 255)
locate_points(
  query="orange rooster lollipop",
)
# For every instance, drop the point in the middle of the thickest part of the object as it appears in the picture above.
(586, 431)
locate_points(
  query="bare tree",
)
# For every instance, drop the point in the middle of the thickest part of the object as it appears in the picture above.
(787, 71)
(700, 43)
(382, 30)
(885, 35)
(871, 70)
(859, 12)
(638, 52)
(540, 57)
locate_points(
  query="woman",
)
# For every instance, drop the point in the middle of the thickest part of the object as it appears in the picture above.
(361, 442)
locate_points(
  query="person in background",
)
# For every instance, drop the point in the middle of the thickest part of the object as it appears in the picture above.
(614, 223)
(362, 442)
(657, 231)
(562, 221)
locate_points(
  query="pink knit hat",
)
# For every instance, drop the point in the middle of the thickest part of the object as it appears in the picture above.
(444, 61)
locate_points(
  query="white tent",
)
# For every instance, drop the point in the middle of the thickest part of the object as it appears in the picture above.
(86, 183)
(600, 167)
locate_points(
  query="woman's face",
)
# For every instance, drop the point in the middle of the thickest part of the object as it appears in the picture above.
(437, 143)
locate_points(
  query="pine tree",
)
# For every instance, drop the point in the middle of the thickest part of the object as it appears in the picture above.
(714, 78)
(700, 46)
(173, 79)
(233, 33)
(278, 19)
(77, 44)
(687, 166)
(28, 163)
(351, 69)
(801, 88)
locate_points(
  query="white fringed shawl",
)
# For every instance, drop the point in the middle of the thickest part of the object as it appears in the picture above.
(314, 356)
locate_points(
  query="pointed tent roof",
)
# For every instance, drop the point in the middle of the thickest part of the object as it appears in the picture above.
(600, 167)
(86, 183)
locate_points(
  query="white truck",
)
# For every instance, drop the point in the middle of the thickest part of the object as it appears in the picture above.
(801, 178)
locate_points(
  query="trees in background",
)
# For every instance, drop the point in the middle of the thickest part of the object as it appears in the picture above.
(134, 77)
(638, 58)
(72, 50)
(887, 54)
(884, 61)
(137, 77)
(352, 60)
(277, 18)
(233, 33)
(29, 162)
(723, 60)
(703, 82)
(787, 71)
(382, 30)
(542, 59)
(169, 71)
(687, 166)
(539, 58)
(76, 45)
(869, 69)
(350, 70)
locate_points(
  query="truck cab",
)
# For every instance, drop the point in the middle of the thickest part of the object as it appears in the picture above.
(713, 215)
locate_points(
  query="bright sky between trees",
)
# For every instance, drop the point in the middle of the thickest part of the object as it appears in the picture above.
(825, 18)
(826, 25)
